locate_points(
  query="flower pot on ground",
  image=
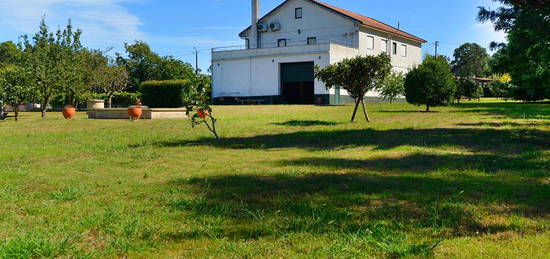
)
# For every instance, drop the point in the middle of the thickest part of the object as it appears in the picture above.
(135, 112)
(69, 112)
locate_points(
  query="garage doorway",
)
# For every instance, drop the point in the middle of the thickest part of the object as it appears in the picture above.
(297, 83)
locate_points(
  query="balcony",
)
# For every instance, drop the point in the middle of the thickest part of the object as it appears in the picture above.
(292, 48)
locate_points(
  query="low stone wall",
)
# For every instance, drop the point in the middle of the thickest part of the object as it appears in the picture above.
(148, 113)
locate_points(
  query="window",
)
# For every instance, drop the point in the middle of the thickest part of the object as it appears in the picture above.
(403, 50)
(311, 41)
(384, 46)
(370, 42)
(281, 43)
(298, 13)
(247, 42)
(394, 49)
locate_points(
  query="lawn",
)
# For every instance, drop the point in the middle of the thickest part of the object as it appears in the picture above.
(471, 180)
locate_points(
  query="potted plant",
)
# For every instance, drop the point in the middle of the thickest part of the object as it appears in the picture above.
(135, 111)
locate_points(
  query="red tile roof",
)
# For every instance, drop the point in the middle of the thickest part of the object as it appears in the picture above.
(366, 21)
(370, 22)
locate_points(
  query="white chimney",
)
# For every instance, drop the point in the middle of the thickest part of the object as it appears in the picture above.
(254, 37)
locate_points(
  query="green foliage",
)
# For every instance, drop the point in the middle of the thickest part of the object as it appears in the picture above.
(9, 54)
(503, 90)
(357, 75)
(468, 88)
(15, 87)
(526, 55)
(393, 86)
(57, 64)
(165, 94)
(112, 80)
(470, 60)
(145, 65)
(431, 83)
(120, 99)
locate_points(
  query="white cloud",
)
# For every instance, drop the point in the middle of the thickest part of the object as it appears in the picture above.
(104, 22)
(486, 34)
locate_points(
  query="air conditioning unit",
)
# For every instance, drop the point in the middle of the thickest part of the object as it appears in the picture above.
(263, 27)
(275, 26)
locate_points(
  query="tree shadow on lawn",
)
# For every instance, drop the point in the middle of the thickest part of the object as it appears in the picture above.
(306, 123)
(377, 208)
(510, 110)
(503, 141)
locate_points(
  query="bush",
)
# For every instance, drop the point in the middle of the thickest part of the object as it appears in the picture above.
(468, 88)
(164, 94)
(125, 98)
(431, 83)
(503, 90)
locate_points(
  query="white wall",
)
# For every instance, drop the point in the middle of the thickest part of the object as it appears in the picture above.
(316, 22)
(399, 62)
(258, 76)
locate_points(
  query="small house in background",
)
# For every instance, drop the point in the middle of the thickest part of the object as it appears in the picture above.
(281, 49)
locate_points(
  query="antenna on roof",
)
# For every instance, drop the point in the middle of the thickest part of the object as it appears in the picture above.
(399, 25)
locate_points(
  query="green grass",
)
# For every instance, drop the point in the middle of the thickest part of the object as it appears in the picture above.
(467, 181)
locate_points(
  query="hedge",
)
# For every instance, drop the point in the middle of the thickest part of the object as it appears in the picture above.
(164, 94)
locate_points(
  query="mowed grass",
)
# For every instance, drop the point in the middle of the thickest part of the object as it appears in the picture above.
(468, 181)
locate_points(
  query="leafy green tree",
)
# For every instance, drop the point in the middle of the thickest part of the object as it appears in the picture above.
(15, 88)
(357, 76)
(9, 53)
(393, 86)
(113, 79)
(431, 84)
(503, 90)
(145, 65)
(470, 60)
(46, 60)
(526, 56)
(468, 88)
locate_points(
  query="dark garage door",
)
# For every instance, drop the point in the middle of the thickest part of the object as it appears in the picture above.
(297, 83)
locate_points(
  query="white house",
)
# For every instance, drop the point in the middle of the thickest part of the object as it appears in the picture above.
(282, 48)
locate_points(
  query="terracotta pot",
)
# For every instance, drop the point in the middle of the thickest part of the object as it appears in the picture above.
(135, 112)
(69, 112)
(203, 114)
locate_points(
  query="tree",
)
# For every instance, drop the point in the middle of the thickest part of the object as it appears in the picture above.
(15, 88)
(470, 60)
(468, 88)
(113, 79)
(526, 56)
(47, 60)
(145, 65)
(357, 76)
(393, 86)
(9, 54)
(431, 84)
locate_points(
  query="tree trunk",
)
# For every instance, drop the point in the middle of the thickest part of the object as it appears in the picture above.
(43, 109)
(355, 110)
(365, 111)
(16, 111)
(427, 108)
(110, 100)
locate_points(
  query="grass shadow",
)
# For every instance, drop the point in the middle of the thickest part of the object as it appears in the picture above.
(306, 123)
(510, 110)
(501, 141)
(372, 207)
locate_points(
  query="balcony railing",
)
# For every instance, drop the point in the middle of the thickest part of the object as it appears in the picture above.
(289, 43)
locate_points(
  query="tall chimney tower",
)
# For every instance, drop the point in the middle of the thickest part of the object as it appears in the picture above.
(254, 37)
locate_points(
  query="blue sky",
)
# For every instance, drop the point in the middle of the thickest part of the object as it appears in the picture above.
(174, 27)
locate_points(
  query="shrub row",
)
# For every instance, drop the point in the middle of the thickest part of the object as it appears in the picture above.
(164, 94)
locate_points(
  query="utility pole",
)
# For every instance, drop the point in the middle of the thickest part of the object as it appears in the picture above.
(436, 46)
(196, 61)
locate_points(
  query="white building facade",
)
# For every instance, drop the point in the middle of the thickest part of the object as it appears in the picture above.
(283, 47)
